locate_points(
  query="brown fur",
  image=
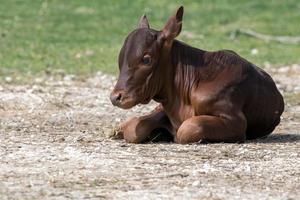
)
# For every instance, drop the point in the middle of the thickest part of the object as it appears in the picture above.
(204, 96)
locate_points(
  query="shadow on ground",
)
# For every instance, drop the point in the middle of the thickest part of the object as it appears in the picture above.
(162, 137)
(278, 138)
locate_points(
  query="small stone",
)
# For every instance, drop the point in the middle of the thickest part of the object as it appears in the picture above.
(69, 77)
(283, 69)
(196, 183)
(8, 79)
(254, 51)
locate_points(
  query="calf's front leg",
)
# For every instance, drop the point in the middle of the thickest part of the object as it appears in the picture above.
(228, 128)
(138, 129)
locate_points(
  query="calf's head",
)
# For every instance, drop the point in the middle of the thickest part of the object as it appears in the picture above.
(140, 62)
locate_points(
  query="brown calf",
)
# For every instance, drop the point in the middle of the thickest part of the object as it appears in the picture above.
(204, 96)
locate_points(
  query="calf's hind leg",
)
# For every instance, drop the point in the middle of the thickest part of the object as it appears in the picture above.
(138, 129)
(212, 129)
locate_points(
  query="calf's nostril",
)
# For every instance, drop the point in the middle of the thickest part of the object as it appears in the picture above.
(115, 98)
(119, 97)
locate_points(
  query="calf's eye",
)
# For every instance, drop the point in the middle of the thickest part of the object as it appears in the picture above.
(146, 60)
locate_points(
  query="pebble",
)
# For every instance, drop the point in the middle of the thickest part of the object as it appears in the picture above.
(196, 183)
(8, 79)
(254, 51)
(283, 69)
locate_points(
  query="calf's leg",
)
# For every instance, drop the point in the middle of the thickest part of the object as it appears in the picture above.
(138, 129)
(212, 129)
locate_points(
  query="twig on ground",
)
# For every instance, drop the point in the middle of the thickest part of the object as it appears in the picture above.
(266, 38)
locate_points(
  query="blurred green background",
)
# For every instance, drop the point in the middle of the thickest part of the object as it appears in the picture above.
(85, 36)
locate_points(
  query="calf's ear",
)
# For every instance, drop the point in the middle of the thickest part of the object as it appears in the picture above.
(143, 22)
(173, 25)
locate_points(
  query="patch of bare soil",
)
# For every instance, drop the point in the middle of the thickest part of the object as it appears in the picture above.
(54, 144)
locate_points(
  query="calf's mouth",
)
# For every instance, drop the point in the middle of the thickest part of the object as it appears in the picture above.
(125, 100)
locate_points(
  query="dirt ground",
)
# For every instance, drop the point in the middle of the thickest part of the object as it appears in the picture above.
(55, 144)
